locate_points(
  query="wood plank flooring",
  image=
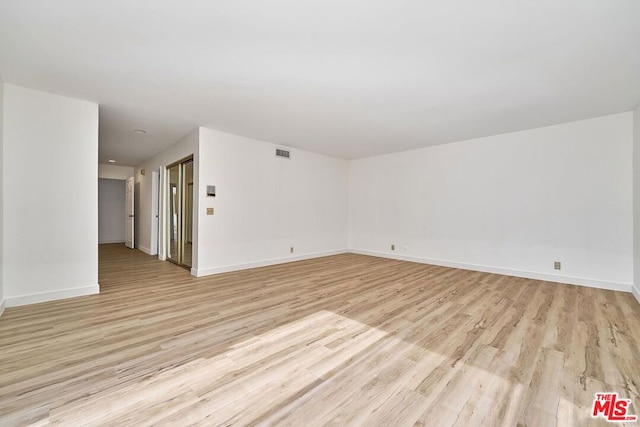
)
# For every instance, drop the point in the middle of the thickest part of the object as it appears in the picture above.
(342, 340)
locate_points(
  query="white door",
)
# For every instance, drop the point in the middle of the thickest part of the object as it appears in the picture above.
(129, 214)
(155, 211)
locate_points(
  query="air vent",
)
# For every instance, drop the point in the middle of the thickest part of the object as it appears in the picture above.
(283, 153)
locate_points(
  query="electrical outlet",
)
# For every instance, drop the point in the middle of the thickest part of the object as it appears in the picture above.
(557, 265)
(393, 247)
(291, 250)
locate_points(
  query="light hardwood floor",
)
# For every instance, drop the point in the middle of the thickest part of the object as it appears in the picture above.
(342, 340)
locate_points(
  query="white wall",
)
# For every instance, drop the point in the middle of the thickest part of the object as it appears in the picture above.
(51, 205)
(636, 201)
(512, 203)
(111, 210)
(264, 204)
(2, 303)
(183, 148)
(114, 171)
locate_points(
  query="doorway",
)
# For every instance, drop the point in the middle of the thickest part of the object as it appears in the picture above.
(180, 212)
(112, 213)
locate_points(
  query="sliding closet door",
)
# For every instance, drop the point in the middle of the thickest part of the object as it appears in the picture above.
(173, 213)
(187, 214)
(180, 212)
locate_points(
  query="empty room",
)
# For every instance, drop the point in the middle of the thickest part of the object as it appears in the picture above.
(355, 213)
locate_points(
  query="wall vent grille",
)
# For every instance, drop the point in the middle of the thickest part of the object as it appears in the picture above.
(283, 153)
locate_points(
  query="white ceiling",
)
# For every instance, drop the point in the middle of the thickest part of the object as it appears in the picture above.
(346, 78)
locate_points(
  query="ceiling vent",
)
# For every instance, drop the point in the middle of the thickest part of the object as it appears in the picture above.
(283, 153)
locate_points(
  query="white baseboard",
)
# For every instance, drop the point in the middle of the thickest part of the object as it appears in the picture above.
(107, 241)
(592, 283)
(2, 305)
(264, 263)
(636, 293)
(52, 296)
(145, 250)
